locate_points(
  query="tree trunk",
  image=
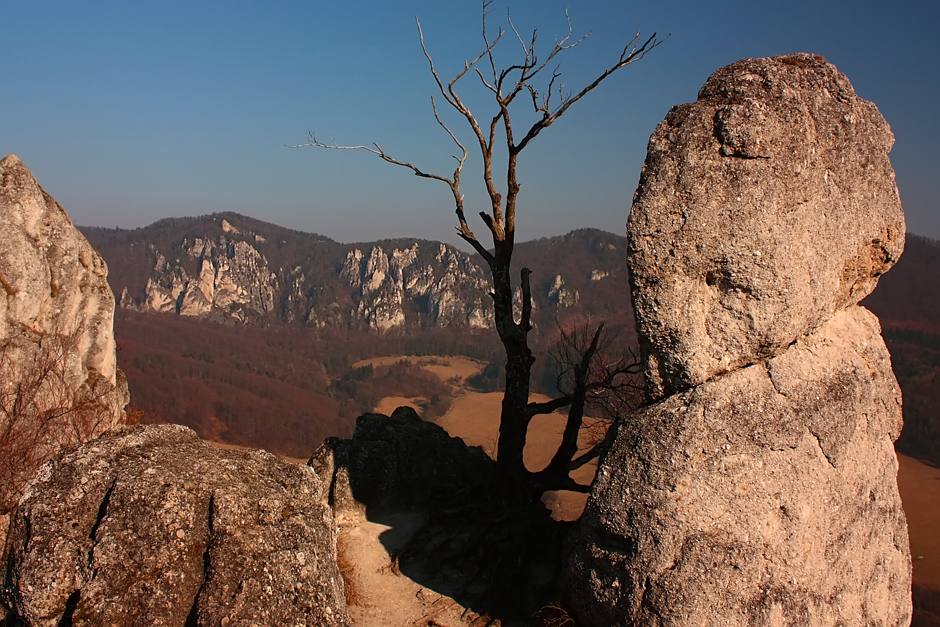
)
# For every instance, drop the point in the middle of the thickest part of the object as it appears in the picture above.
(514, 419)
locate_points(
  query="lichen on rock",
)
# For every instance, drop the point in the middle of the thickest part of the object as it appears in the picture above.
(150, 525)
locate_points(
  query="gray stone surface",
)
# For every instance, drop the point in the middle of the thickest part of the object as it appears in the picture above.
(150, 525)
(759, 485)
(763, 207)
(765, 497)
(56, 312)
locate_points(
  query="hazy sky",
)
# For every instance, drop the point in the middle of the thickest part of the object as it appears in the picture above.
(128, 112)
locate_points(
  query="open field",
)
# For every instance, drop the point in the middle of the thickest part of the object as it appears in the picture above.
(474, 417)
(446, 368)
(390, 403)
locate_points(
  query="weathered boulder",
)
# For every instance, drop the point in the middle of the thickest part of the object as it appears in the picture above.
(397, 463)
(765, 497)
(763, 207)
(759, 486)
(60, 382)
(150, 525)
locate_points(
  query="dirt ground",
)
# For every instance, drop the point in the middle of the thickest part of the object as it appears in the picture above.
(376, 593)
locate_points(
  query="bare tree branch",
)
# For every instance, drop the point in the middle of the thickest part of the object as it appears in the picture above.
(628, 56)
(582, 460)
(548, 407)
(597, 380)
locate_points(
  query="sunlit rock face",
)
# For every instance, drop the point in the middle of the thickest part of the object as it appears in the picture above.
(443, 286)
(763, 207)
(236, 270)
(58, 372)
(759, 485)
(232, 279)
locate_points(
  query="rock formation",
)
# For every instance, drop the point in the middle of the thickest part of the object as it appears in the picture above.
(759, 486)
(149, 525)
(232, 269)
(763, 208)
(397, 463)
(60, 383)
(452, 285)
(452, 528)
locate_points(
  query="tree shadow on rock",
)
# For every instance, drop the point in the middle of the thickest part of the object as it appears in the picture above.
(452, 529)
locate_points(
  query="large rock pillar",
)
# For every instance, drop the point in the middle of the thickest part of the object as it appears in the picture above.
(758, 486)
(59, 380)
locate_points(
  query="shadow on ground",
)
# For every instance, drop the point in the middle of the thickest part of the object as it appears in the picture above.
(496, 556)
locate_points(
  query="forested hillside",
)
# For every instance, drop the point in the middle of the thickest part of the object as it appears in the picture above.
(284, 380)
(907, 301)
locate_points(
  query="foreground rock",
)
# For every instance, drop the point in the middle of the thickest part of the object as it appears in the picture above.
(763, 207)
(760, 486)
(150, 525)
(60, 382)
(451, 530)
(764, 497)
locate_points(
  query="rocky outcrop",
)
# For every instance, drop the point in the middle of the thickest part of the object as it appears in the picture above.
(763, 207)
(767, 496)
(387, 285)
(60, 382)
(397, 463)
(217, 268)
(232, 280)
(150, 525)
(449, 526)
(759, 487)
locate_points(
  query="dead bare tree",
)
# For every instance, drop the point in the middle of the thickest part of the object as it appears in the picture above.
(598, 381)
(506, 85)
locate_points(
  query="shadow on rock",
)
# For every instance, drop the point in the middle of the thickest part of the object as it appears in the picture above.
(498, 557)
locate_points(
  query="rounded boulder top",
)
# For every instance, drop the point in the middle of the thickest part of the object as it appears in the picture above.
(763, 208)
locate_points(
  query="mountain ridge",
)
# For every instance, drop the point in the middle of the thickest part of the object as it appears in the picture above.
(371, 310)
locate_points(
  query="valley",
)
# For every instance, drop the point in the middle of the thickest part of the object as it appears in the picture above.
(268, 367)
(278, 373)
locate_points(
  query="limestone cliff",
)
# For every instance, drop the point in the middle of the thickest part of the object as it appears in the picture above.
(230, 268)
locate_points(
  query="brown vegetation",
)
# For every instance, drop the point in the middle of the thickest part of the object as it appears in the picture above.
(277, 388)
(909, 311)
(40, 409)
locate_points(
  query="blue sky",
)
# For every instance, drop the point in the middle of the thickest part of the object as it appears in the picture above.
(128, 112)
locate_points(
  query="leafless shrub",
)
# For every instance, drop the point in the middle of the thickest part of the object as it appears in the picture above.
(612, 385)
(43, 407)
(554, 615)
(598, 380)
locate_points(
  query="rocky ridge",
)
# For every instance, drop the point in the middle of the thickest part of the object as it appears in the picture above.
(228, 268)
(150, 524)
(59, 380)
